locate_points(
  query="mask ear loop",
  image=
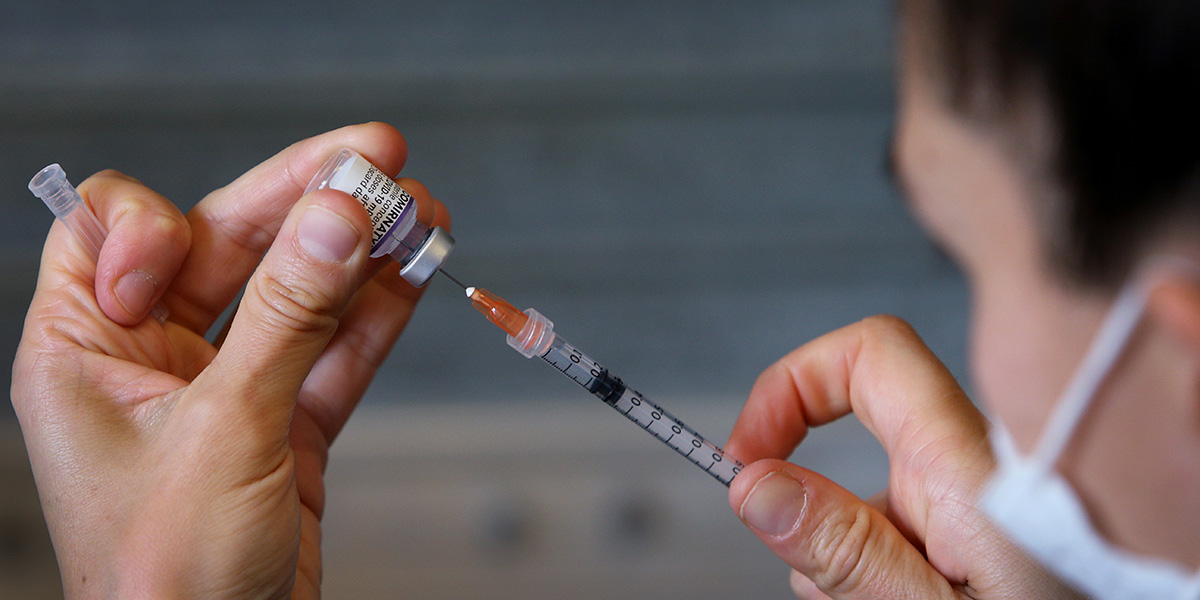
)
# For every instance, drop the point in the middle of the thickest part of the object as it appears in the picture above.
(1106, 348)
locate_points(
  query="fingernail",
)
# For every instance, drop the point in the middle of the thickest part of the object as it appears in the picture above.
(134, 290)
(326, 235)
(775, 504)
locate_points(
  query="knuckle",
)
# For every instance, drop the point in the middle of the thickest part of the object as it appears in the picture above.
(130, 200)
(841, 545)
(294, 307)
(887, 327)
(169, 235)
(778, 370)
(414, 188)
(169, 228)
(103, 183)
(113, 174)
(383, 131)
(441, 215)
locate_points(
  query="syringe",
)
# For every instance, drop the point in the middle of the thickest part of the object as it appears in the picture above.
(422, 251)
(532, 334)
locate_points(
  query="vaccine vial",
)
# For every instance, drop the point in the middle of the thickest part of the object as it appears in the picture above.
(395, 230)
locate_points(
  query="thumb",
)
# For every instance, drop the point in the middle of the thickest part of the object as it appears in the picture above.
(289, 311)
(848, 550)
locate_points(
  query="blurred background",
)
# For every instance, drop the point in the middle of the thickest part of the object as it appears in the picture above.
(690, 189)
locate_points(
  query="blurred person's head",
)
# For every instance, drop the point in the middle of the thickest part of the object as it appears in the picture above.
(1051, 147)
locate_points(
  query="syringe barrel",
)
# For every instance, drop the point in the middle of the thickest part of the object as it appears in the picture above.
(535, 337)
(679, 437)
(395, 229)
(600, 382)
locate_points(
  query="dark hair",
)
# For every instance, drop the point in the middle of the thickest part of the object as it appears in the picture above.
(1120, 83)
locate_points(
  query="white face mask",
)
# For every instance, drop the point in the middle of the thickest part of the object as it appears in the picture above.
(1043, 514)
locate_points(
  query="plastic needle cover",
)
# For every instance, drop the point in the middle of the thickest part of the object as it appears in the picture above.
(51, 185)
(498, 310)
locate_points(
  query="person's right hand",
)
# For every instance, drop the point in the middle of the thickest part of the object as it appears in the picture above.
(924, 538)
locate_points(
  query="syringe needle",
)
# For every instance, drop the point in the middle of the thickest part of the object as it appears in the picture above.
(498, 310)
(452, 278)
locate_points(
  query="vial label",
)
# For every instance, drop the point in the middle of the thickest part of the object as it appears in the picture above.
(384, 200)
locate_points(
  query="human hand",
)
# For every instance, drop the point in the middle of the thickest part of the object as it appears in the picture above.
(923, 538)
(170, 467)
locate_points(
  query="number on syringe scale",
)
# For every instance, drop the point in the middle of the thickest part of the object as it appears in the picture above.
(574, 358)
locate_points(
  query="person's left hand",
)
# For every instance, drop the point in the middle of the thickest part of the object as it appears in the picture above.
(924, 538)
(171, 467)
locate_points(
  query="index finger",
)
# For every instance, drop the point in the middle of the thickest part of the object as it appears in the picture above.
(232, 227)
(880, 370)
(935, 439)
